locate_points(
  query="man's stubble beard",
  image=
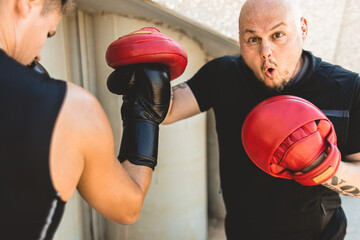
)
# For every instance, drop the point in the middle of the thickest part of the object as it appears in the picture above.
(277, 88)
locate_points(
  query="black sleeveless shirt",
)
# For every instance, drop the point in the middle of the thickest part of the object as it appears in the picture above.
(259, 206)
(30, 208)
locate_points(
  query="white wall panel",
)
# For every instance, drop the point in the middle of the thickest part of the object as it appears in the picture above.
(176, 204)
(325, 23)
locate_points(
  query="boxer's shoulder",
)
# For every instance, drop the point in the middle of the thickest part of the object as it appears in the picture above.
(82, 111)
(80, 127)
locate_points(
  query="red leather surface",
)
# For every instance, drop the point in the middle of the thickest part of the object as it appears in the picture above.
(281, 137)
(147, 45)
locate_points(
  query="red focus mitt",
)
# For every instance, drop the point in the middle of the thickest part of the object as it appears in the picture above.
(289, 137)
(147, 45)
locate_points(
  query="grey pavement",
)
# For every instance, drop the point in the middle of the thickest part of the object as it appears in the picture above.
(351, 207)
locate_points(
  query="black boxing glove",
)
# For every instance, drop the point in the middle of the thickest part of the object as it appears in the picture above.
(146, 100)
(145, 61)
(121, 80)
(37, 67)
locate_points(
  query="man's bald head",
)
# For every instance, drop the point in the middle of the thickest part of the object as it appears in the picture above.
(253, 8)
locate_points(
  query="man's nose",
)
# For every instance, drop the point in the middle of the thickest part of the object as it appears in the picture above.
(265, 50)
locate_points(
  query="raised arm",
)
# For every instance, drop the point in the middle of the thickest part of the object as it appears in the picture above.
(182, 105)
(82, 156)
(116, 187)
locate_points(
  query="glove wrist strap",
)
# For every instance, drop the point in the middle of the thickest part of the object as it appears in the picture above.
(324, 171)
(139, 143)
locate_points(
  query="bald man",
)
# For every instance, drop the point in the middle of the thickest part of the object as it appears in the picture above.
(273, 62)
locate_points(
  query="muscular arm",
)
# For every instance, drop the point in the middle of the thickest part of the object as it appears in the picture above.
(83, 156)
(183, 104)
(347, 179)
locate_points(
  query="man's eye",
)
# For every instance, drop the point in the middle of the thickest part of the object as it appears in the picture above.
(253, 40)
(278, 35)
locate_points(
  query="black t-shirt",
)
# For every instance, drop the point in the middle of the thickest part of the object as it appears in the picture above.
(257, 204)
(30, 208)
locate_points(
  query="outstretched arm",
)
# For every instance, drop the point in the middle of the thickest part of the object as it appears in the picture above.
(182, 105)
(82, 156)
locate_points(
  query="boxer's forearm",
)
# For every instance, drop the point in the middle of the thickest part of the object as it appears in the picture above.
(141, 175)
(346, 181)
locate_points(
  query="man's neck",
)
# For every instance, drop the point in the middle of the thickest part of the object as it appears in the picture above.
(299, 66)
(3, 45)
(304, 63)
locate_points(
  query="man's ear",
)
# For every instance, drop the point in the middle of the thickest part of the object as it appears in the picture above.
(304, 28)
(24, 7)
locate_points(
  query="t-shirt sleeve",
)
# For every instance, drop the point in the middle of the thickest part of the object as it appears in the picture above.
(353, 142)
(201, 84)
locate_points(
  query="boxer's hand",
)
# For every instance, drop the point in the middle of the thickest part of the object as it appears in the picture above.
(144, 108)
(289, 137)
(145, 61)
(120, 80)
(148, 97)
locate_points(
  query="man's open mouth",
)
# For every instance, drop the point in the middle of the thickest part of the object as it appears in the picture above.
(270, 72)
